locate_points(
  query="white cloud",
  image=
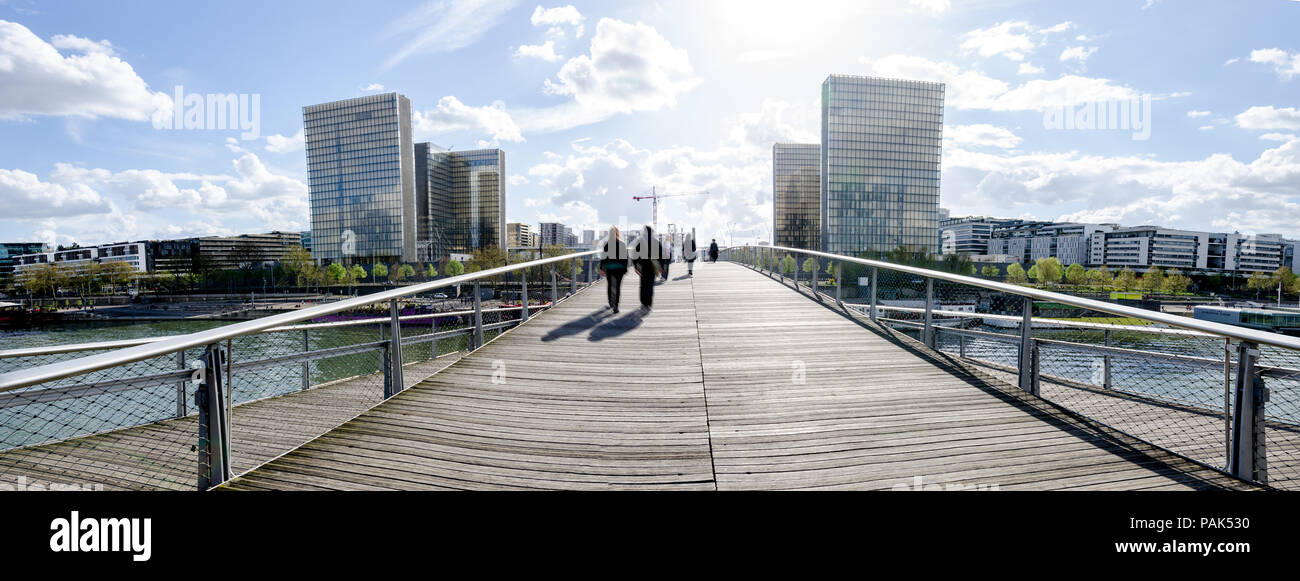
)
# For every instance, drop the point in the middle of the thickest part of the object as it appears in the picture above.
(35, 79)
(443, 26)
(1195, 113)
(372, 87)
(452, 115)
(1009, 39)
(559, 15)
(630, 68)
(545, 51)
(1028, 69)
(280, 144)
(1077, 53)
(975, 90)
(1284, 64)
(934, 7)
(1277, 136)
(980, 134)
(1205, 128)
(517, 180)
(24, 195)
(1214, 193)
(1269, 117)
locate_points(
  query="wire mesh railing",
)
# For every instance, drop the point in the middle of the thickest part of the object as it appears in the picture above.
(167, 412)
(1226, 397)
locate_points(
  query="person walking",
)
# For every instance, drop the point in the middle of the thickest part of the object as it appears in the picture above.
(613, 264)
(665, 257)
(688, 254)
(713, 250)
(645, 259)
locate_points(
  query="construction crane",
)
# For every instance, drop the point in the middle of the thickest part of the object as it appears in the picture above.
(654, 198)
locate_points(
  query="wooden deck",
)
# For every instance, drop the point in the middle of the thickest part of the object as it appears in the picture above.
(160, 456)
(733, 381)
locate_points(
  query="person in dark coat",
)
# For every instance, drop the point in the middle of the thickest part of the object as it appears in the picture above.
(665, 257)
(613, 264)
(645, 259)
(713, 250)
(688, 254)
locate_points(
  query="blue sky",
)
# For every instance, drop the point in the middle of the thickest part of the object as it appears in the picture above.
(595, 102)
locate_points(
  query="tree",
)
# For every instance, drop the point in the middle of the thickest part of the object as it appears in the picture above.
(563, 268)
(402, 273)
(455, 268)
(1153, 280)
(378, 271)
(788, 265)
(1075, 275)
(44, 279)
(1100, 277)
(1126, 279)
(336, 273)
(1035, 274)
(1050, 270)
(298, 264)
(1016, 274)
(1176, 282)
(809, 265)
(431, 272)
(356, 274)
(1260, 282)
(957, 264)
(1284, 278)
(989, 271)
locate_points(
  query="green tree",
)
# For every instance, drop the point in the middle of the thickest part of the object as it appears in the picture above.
(1100, 277)
(431, 272)
(1126, 280)
(402, 273)
(298, 264)
(1035, 274)
(1176, 282)
(1050, 270)
(1075, 275)
(357, 274)
(989, 271)
(455, 268)
(336, 273)
(788, 265)
(809, 265)
(1154, 280)
(378, 271)
(1260, 282)
(1016, 274)
(1286, 279)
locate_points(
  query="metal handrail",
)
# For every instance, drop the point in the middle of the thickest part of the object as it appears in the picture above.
(1218, 329)
(59, 370)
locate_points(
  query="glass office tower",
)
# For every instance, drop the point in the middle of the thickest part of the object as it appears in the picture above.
(361, 174)
(478, 179)
(433, 193)
(796, 195)
(881, 141)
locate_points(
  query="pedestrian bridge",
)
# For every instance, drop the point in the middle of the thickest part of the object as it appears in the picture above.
(738, 379)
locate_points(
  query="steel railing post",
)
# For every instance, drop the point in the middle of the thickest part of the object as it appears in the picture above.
(395, 351)
(1026, 346)
(555, 289)
(875, 275)
(385, 366)
(476, 339)
(1106, 380)
(961, 346)
(812, 278)
(523, 303)
(1034, 386)
(573, 276)
(839, 280)
(1227, 404)
(1248, 459)
(928, 335)
(214, 436)
(588, 269)
(181, 402)
(306, 364)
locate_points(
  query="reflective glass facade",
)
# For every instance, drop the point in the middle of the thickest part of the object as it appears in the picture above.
(478, 185)
(361, 173)
(881, 141)
(796, 195)
(433, 193)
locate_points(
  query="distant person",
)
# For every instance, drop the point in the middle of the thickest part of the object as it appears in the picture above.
(688, 254)
(613, 265)
(713, 250)
(665, 257)
(645, 259)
